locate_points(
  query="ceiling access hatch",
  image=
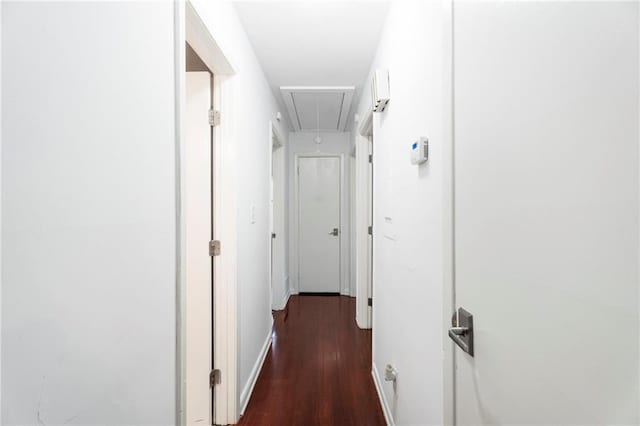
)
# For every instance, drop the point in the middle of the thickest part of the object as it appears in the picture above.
(323, 109)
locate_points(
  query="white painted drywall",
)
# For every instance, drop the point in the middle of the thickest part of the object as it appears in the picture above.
(332, 143)
(408, 273)
(248, 144)
(89, 213)
(304, 50)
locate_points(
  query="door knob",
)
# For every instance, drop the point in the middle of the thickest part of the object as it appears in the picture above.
(334, 232)
(461, 331)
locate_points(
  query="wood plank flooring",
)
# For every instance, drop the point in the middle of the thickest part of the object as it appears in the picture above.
(318, 371)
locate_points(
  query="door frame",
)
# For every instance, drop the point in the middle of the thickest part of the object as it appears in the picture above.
(448, 213)
(364, 219)
(276, 142)
(296, 215)
(210, 261)
(189, 27)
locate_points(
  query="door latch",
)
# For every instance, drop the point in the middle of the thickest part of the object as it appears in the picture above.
(334, 232)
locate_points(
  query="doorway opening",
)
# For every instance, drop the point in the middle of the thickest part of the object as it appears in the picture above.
(206, 300)
(277, 200)
(364, 222)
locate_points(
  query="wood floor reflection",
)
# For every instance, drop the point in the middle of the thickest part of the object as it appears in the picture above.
(318, 371)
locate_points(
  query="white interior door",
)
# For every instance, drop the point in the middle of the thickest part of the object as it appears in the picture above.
(279, 269)
(197, 195)
(319, 224)
(546, 193)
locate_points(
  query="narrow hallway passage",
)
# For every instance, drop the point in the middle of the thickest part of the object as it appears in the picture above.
(318, 371)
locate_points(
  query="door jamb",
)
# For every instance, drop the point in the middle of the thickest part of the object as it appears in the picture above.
(364, 212)
(189, 27)
(448, 216)
(296, 227)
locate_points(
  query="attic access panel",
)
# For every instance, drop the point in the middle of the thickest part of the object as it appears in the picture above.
(318, 108)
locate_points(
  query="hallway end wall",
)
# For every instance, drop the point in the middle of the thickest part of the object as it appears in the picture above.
(248, 143)
(408, 204)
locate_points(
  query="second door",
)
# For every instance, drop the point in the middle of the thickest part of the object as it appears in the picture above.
(319, 224)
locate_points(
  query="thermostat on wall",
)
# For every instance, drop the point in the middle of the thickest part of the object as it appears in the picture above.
(420, 151)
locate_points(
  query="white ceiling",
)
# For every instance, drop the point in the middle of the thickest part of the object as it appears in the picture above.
(314, 42)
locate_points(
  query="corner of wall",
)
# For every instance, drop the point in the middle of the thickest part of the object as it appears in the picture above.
(1, 213)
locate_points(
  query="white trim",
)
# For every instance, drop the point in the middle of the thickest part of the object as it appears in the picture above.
(361, 224)
(287, 296)
(272, 144)
(201, 40)
(295, 263)
(366, 126)
(276, 139)
(388, 417)
(245, 396)
(180, 130)
(277, 144)
(226, 289)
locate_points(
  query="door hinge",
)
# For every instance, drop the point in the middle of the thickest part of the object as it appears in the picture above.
(214, 248)
(371, 158)
(214, 117)
(370, 230)
(370, 301)
(215, 377)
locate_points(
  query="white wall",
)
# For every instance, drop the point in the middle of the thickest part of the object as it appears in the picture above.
(408, 232)
(248, 141)
(332, 143)
(89, 213)
(90, 181)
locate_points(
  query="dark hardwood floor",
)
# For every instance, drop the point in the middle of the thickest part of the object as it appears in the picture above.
(318, 371)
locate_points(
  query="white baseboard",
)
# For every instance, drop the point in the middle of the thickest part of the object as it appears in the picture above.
(287, 295)
(383, 400)
(245, 396)
(283, 305)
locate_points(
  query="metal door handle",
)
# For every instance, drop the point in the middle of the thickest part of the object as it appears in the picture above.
(459, 331)
(462, 331)
(334, 232)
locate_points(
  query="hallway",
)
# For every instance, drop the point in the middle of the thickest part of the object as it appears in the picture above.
(320, 212)
(318, 371)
